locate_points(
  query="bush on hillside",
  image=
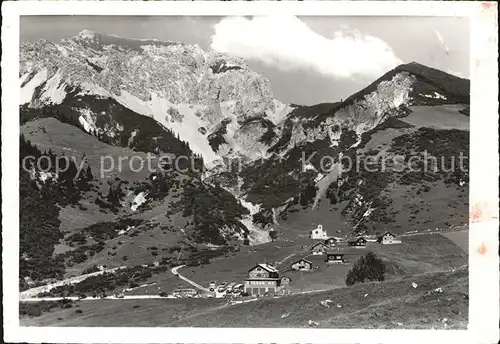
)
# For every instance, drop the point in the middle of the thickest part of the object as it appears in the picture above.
(367, 268)
(90, 269)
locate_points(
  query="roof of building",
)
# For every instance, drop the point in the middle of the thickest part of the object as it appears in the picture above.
(319, 243)
(331, 238)
(263, 279)
(302, 259)
(387, 233)
(357, 239)
(266, 267)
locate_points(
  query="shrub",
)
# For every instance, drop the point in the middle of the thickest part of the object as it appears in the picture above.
(91, 269)
(366, 268)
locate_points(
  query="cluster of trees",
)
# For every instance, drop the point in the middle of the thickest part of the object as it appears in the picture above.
(105, 283)
(268, 183)
(80, 254)
(39, 204)
(70, 182)
(367, 268)
(38, 223)
(112, 200)
(103, 231)
(308, 194)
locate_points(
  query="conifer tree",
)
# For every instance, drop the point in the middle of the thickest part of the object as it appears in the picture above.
(367, 268)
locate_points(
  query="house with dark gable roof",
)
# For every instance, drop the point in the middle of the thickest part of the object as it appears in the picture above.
(388, 238)
(319, 248)
(358, 243)
(331, 242)
(302, 265)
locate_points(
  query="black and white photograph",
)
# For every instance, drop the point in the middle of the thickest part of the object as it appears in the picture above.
(247, 171)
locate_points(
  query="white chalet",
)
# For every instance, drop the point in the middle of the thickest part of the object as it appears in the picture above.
(319, 233)
(388, 238)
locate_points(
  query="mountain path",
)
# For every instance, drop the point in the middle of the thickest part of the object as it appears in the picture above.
(194, 284)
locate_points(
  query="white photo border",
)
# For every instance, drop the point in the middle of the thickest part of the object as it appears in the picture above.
(483, 231)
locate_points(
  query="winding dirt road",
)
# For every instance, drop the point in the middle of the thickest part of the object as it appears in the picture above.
(32, 292)
(194, 284)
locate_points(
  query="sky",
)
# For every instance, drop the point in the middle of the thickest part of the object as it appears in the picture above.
(308, 60)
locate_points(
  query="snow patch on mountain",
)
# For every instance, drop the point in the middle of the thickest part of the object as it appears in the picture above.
(123, 231)
(87, 88)
(44, 176)
(185, 124)
(323, 181)
(256, 235)
(309, 167)
(87, 121)
(279, 113)
(28, 90)
(54, 90)
(139, 199)
(131, 140)
(434, 96)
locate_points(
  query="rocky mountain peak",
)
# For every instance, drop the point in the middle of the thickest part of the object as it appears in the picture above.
(88, 34)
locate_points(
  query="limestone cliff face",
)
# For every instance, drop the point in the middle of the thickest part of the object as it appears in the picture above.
(362, 114)
(188, 90)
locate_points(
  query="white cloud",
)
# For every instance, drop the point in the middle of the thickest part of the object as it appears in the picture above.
(287, 43)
